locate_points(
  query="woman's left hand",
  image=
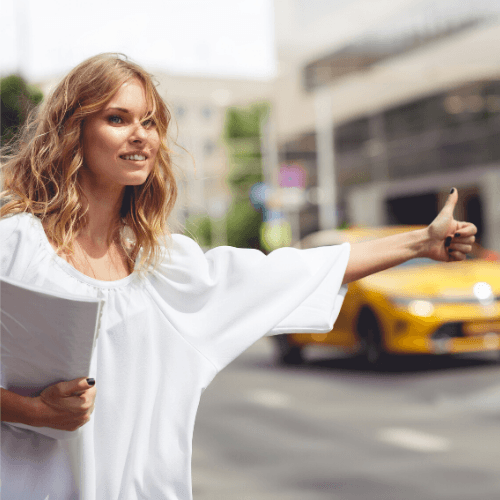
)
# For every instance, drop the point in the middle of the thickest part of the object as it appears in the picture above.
(449, 240)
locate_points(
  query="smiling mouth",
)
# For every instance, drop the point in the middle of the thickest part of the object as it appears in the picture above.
(133, 157)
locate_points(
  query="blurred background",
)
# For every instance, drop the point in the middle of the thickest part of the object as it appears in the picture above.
(303, 116)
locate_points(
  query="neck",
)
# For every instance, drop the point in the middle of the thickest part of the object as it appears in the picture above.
(103, 214)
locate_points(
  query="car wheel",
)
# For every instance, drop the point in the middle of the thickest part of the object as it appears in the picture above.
(372, 351)
(286, 352)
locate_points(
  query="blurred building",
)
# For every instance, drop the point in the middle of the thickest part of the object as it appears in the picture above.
(198, 106)
(401, 109)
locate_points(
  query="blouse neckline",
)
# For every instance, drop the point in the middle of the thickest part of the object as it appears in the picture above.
(69, 269)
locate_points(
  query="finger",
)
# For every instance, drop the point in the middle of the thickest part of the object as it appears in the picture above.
(466, 229)
(85, 401)
(79, 402)
(76, 386)
(466, 240)
(456, 255)
(451, 202)
(88, 396)
(459, 247)
(90, 387)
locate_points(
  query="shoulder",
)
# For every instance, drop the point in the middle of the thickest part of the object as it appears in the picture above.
(183, 244)
(186, 252)
(182, 266)
(181, 252)
(19, 240)
(19, 224)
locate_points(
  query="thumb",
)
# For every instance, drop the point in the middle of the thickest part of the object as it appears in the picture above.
(76, 386)
(451, 202)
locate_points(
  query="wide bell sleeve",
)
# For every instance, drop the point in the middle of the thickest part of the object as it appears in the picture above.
(223, 300)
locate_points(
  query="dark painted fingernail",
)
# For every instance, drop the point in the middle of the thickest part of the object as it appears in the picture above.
(457, 235)
(452, 190)
(447, 241)
(91, 381)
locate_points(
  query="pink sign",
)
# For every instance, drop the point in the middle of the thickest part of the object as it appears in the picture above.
(292, 176)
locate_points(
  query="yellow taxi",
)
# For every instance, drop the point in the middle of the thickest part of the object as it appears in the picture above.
(419, 307)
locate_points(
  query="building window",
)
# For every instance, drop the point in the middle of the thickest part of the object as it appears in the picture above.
(208, 147)
(180, 111)
(456, 129)
(207, 112)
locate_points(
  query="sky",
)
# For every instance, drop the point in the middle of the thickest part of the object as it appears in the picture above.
(43, 39)
(233, 38)
(313, 28)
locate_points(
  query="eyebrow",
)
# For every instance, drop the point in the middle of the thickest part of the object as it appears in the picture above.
(120, 109)
(124, 110)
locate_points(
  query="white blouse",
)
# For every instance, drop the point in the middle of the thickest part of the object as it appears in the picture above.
(163, 338)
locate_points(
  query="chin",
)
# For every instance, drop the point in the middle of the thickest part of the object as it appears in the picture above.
(137, 180)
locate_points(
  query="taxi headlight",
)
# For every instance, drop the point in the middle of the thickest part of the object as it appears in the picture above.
(417, 307)
(484, 293)
(422, 308)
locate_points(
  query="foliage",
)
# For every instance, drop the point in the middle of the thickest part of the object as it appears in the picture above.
(242, 134)
(244, 122)
(243, 225)
(199, 227)
(18, 99)
(242, 221)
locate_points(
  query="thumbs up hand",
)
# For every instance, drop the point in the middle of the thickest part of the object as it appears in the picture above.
(450, 240)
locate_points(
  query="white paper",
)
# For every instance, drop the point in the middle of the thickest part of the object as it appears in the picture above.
(46, 338)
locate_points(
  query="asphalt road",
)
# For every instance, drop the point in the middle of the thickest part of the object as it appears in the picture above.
(427, 430)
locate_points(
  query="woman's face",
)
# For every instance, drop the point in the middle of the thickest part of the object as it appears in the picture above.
(119, 146)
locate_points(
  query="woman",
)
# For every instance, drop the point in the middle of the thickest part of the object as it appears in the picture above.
(88, 193)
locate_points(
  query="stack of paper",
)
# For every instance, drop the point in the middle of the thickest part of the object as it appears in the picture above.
(46, 338)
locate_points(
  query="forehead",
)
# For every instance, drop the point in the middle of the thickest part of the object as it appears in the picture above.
(131, 96)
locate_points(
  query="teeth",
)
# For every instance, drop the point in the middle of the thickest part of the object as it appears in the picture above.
(134, 157)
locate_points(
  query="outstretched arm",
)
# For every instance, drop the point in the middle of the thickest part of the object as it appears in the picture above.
(445, 239)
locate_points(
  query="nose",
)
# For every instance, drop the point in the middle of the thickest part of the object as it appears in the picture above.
(139, 134)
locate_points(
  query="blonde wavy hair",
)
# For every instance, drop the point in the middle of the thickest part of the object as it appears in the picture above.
(40, 171)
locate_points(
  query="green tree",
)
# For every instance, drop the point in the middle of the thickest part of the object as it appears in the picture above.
(242, 136)
(199, 227)
(17, 100)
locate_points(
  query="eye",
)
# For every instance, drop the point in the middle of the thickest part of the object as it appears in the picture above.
(148, 123)
(115, 119)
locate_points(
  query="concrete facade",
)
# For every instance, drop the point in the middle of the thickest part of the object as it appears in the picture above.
(469, 56)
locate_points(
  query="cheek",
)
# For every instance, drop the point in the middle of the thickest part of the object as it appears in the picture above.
(155, 142)
(155, 147)
(107, 140)
(111, 141)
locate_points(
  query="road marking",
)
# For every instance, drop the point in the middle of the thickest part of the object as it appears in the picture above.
(271, 399)
(413, 440)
